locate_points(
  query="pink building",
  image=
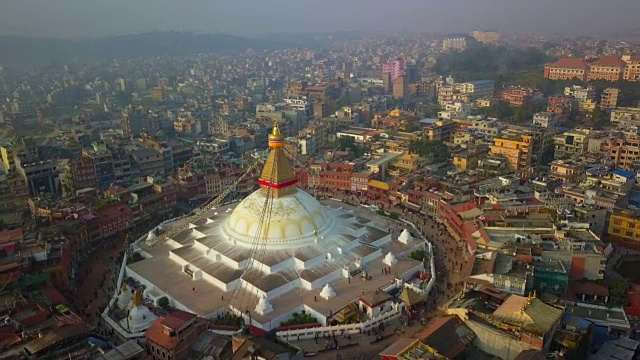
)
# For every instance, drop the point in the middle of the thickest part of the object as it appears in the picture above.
(395, 67)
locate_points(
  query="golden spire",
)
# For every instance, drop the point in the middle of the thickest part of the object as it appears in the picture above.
(137, 298)
(277, 175)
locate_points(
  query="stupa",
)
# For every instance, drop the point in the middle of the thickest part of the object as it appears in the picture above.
(274, 253)
(140, 317)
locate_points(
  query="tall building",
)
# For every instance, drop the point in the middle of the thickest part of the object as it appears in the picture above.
(158, 94)
(400, 87)
(394, 68)
(120, 84)
(609, 98)
(632, 68)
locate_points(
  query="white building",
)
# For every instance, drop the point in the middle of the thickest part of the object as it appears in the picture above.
(545, 119)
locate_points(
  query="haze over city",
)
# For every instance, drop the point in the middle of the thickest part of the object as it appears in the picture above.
(81, 18)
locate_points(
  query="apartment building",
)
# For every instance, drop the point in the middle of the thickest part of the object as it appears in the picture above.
(609, 98)
(624, 226)
(623, 152)
(456, 44)
(609, 68)
(561, 105)
(571, 143)
(517, 153)
(187, 124)
(395, 68)
(481, 89)
(566, 171)
(626, 118)
(580, 93)
(567, 69)
(42, 177)
(438, 129)
(455, 110)
(545, 119)
(518, 96)
(486, 37)
(632, 68)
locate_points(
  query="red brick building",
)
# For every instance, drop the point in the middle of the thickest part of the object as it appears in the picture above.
(171, 337)
(114, 218)
(560, 105)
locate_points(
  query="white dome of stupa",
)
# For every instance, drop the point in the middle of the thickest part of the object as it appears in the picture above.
(140, 317)
(124, 297)
(327, 292)
(295, 217)
(405, 237)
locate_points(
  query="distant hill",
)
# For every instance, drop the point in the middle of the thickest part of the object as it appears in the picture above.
(29, 52)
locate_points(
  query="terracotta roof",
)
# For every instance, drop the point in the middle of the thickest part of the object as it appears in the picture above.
(569, 63)
(609, 61)
(155, 333)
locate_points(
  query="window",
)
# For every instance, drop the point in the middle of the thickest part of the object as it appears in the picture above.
(617, 222)
(629, 233)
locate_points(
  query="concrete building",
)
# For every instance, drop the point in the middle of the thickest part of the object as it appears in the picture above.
(486, 37)
(608, 68)
(455, 110)
(438, 129)
(518, 96)
(626, 118)
(186, 124)
(567, 69)
(455, 43)
(481, 89)
(609, 98)
(158, 94)
(545, 119)
(580, 93)
(395, 68)
(42, 177)
(400, 90)
(632, 68)
(624, 226)
(566, 171)
(623, 152)
(571, 143)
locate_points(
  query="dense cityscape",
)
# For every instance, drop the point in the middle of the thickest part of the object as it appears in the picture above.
(399, 196)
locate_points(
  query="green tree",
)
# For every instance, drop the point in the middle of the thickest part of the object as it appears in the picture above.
(500, 110)
(163, 302)
(347, 143)
(430, 149)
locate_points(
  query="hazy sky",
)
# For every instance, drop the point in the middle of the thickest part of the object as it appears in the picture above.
(81, 18)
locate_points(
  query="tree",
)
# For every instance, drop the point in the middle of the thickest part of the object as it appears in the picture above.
(347, 143)
(430, 149)
(163, 302)
(500, 110)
